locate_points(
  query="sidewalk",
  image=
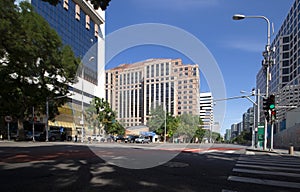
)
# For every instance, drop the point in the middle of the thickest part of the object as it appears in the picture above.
(277, 151)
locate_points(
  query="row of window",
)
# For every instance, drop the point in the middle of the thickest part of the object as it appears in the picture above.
(77, 17)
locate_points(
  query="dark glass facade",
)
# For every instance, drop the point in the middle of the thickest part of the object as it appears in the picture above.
(72, 31)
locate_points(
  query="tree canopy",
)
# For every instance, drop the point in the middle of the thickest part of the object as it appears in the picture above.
(107, 117)
(34, 64)
(185, 126)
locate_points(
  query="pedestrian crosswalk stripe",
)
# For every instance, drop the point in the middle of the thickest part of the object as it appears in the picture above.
(267, 163)
(250, 153)
(265, 182)
(268, 167)
(277, 173)
(275, 160)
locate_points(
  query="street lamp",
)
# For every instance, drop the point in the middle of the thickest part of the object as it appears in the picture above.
(267, 62)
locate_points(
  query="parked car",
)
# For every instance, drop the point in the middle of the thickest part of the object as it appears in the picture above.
(28, 135)
(54, 135)
(119, 138)
(143, 139)
(130, 138)
(98, 138)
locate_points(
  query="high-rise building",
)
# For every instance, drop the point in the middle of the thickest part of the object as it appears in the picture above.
(82, 28)
(227, 136)
(285, 73)
(234, 131)
(134, 89)
(248, 118)
(206, 110)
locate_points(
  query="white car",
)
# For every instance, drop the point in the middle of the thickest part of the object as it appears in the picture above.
(143, 139)
(97, 138)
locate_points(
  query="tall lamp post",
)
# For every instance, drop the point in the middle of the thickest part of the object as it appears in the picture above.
(267, 62)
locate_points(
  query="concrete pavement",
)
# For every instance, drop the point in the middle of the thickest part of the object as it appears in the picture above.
(276, 151)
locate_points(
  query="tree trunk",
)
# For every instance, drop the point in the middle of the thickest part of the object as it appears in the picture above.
(21, 134)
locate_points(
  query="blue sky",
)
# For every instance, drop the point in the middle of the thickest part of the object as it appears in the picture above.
(236, 45)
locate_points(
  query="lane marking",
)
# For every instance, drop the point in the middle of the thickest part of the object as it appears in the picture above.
(268, 164)
(277, 173)
(250, 153)
(268, 167)
(273, 160)
(265, 182)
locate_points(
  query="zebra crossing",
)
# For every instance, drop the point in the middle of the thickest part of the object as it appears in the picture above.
(267, 170)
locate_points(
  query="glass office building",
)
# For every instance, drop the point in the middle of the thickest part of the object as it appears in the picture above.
(285, 73)
(82, 28)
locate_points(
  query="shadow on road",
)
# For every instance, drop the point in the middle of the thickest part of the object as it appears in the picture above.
(77, 168)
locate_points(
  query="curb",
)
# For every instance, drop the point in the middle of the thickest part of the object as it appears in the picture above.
(274, 151)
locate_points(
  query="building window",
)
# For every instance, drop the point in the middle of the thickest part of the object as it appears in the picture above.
(77, 12)
(96, 30)
(66, 4)
(87, 22)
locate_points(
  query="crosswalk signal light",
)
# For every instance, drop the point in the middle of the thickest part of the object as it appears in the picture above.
(271, 102)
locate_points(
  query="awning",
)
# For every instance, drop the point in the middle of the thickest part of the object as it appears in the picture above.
(61, 124)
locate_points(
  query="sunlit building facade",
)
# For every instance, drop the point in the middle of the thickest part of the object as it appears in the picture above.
(133, 90)
(206, 110)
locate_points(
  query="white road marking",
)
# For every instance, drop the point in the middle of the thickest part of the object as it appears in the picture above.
(250, 153)
(268, 163)
(273, 160)
(268, 167)
(265, 182)
(266, 172)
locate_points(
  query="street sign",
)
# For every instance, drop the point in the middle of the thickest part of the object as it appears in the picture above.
(8, 119)
(260, 135)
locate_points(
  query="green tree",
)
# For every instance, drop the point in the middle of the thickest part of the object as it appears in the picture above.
(91, 117)
(34, 64)
(189, 127)
(172, 124)
(107, 118)
(243, 138)
(157, 120)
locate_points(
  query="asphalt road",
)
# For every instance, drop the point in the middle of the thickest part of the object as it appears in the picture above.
(129, 167)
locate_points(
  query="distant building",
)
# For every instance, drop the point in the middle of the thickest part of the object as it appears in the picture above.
(227, 136)
(234, 131)
(134, 89)
(206, 110)
(239, 128)
(248, 118)
(216, 127)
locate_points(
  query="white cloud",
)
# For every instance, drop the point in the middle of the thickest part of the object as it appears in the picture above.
(245, 45)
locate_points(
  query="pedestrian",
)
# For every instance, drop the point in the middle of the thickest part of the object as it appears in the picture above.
(76, 138)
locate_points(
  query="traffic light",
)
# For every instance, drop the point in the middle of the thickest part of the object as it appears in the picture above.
(267, 116)
(271, 102)
(273, 115)
(265, 104)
